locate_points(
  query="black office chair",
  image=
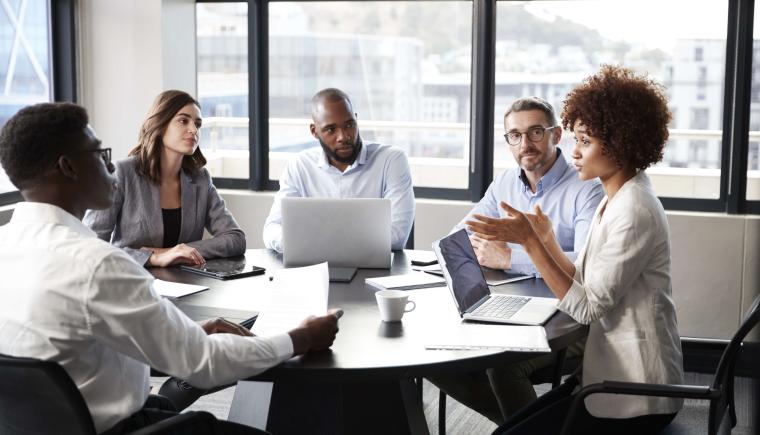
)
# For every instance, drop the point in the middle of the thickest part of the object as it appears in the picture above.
(720, 394)
(39, 398)
(410, 240)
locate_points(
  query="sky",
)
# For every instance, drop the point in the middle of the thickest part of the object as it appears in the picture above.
(657, 24)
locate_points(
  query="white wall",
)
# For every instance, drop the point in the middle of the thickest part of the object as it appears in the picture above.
(130, 51)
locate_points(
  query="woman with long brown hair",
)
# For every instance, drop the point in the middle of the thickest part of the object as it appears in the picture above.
(165, 197)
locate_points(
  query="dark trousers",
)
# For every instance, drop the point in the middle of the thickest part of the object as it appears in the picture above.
(547, 415)
(501, 391)
(158, 408)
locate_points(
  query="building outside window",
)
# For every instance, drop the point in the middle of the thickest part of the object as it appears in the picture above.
(545, 48)
(405, 65)
(24, 61)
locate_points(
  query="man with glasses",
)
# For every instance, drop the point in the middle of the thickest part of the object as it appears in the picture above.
(542, 178)
(72, 298)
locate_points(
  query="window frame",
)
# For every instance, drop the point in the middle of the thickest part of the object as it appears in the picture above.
(735, 140)
(61, 23)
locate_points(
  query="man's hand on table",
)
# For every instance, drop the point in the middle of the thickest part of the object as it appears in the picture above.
(222, 326)
(315, 333)
(496, 255)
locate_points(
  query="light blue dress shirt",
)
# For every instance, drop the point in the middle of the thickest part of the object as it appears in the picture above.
(569, 202)
(380, 171)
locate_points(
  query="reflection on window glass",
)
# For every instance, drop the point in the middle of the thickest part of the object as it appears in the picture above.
(24, 61)
(545, 48)
(404, 64)
(222, 65)
(753, 159)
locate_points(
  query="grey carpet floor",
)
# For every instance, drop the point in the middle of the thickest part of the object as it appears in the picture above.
(462, 420)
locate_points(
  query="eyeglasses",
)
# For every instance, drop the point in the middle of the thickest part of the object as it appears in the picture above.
(105, 154)
(535, 134)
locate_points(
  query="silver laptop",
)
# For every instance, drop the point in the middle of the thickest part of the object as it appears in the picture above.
(352, 232)
(472, 295)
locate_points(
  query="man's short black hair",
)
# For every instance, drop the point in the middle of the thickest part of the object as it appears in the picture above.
(331, 95)
(33, 139)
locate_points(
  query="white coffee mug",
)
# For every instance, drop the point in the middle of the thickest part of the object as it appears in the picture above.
(392, 304)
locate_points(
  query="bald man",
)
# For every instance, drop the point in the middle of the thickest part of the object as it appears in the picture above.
(344, 167)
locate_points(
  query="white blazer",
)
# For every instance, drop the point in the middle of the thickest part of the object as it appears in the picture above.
(622, 290)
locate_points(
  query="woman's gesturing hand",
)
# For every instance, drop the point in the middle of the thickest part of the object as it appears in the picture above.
(514, 228)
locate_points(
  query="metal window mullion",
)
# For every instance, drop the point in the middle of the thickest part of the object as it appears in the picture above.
(258, 94)
(741, 16)
(482, 97)
(62, 48)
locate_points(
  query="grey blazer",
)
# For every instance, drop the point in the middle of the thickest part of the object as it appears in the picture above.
(135, 220)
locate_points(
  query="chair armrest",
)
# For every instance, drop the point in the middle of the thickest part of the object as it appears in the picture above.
(658, 390)
(193, 418)
(636, 389)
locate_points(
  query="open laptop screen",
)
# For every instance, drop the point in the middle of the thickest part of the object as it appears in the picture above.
(466, 277)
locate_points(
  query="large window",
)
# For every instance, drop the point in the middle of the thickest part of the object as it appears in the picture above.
(24, 60)
(545, 48)
(222, 64)
(433, 77)
(753, 157)
(405, 65)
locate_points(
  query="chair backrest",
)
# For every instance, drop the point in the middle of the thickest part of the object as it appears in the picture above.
(729, 357)
(410, 240)
(724, 375)
(38, 397)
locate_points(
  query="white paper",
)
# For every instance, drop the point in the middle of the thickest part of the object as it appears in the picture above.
(407, 281)
(435, 269)
(294, 295)
(176, 290)
(477, 336)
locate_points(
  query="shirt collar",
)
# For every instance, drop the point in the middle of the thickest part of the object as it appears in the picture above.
(361, 159)
(550, 178)
(40, 212)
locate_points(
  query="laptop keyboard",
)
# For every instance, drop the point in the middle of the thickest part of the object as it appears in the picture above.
(501, 307)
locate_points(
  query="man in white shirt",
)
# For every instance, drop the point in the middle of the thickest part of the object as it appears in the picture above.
(344, 167)
(72, 298)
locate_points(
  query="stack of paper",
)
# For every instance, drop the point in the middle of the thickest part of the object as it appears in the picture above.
(408, 281)
(295, 294)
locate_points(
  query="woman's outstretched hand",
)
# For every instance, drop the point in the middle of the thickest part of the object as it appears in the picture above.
(516, 227)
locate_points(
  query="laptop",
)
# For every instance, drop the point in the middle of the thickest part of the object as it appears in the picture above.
(472, 295)
(225, 268)
(346, 232)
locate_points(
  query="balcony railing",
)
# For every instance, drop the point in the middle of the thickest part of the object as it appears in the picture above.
(453, 172)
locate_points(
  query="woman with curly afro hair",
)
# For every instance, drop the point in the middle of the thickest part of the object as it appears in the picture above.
(620, 284)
